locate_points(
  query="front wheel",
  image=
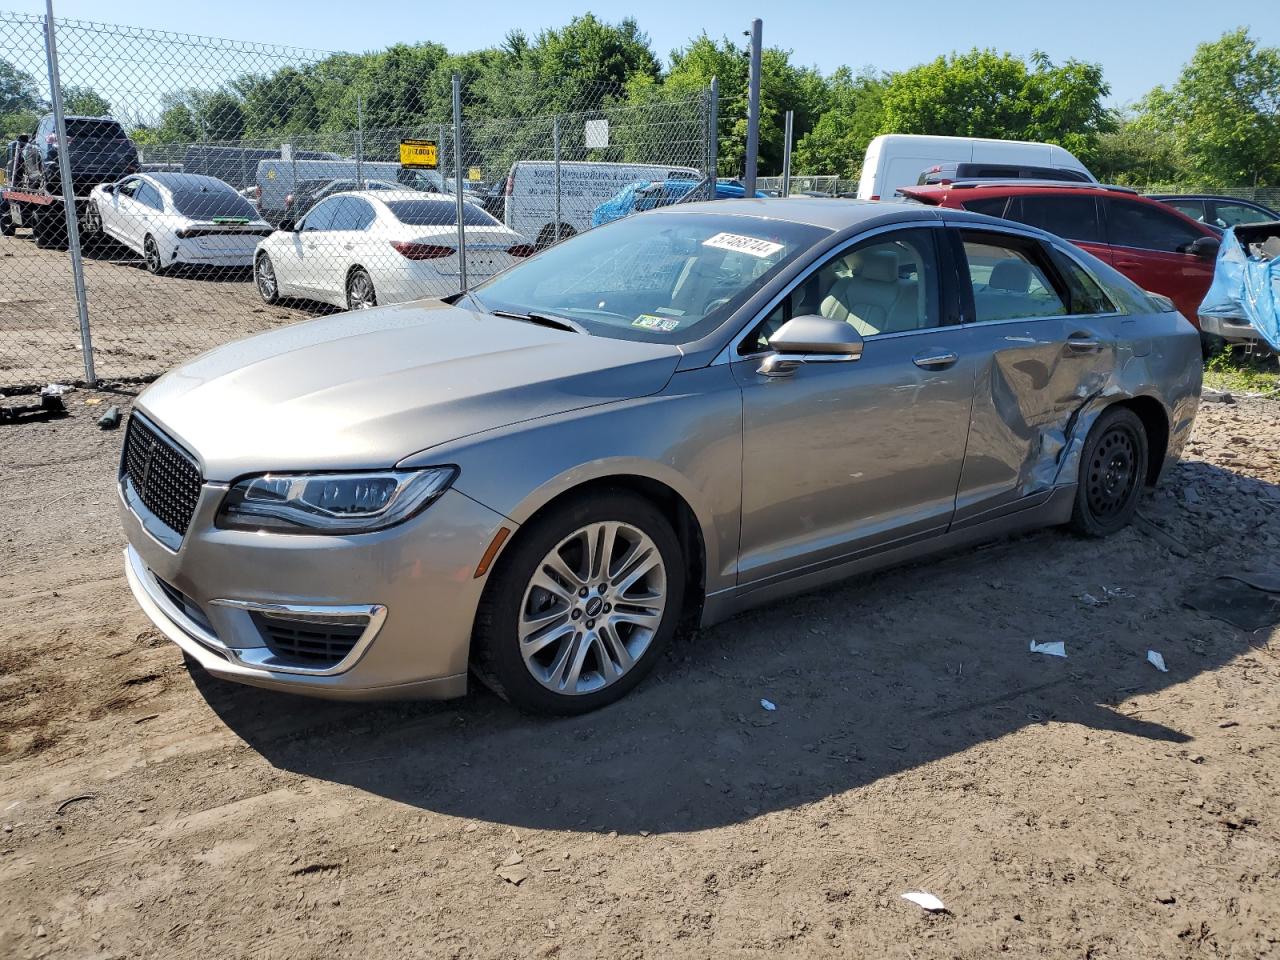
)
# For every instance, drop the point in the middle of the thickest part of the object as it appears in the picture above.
(1112, 468)
(581, 605)
(360, 292)
(7, 229)
(264, 276)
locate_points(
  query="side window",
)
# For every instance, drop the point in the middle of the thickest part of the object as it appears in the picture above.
(1010, 279)
(887, 284)
(1192, 208)
(320, 216)
(1085, 294)
(129, 188)
(1070, 217)
(149, 196)
(991, 206)
(346, 214)
(1233, 214)
(1148, 227)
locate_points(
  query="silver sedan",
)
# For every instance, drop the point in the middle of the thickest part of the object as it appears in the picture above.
(647, 428)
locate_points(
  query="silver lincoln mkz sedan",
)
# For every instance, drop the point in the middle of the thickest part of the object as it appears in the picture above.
(654, 424)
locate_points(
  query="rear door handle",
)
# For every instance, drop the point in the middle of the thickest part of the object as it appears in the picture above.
(1083, 343)
(934, 361)
(349, 246)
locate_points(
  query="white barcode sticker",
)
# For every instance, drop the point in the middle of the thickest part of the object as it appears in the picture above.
(752, 246)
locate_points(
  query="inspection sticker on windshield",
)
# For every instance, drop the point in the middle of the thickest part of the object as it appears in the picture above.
(752, 246)
(650, 322)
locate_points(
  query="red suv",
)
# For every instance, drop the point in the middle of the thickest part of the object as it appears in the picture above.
(1152, 244)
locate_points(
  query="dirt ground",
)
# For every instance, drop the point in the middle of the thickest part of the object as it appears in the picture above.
(1082, 807)
(141, 325)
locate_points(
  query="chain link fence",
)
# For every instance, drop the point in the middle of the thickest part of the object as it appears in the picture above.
(212, 188)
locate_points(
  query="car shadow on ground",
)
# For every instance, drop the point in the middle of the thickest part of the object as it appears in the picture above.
(875, 676)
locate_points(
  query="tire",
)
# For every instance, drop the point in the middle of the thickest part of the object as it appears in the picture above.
(151, 257)
(1113, 467)
(92, 221)
(547, 235)
(7, 229)
(619, 652)
(270, 291)
(361, 294)
(49, 230)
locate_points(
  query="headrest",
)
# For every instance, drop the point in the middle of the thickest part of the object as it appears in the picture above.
(1012, 275)
(878, 266)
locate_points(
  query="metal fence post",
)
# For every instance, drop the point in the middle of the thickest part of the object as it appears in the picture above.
(753, 111)
(555, 148)
(786, 154)
(68, 188)
(713, 141)
(359, 142)
(457, 179)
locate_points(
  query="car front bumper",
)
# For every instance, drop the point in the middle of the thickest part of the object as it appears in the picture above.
(412, 588)
(1231, 329)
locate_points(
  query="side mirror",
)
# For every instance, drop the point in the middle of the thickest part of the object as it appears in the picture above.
(1205, 248)
(810, 339)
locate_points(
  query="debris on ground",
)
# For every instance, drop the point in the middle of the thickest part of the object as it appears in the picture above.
(768, 704)
(1249, 599)
(1053, 648)
(111, 419)
(1157, 661)
(926, 901)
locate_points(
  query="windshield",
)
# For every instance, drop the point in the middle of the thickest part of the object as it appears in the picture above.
(671, 276)
(439, 213)
(209, 202)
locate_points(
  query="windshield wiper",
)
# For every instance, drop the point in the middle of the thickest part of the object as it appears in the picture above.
(542, 320)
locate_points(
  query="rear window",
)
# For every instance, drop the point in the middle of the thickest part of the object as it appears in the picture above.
(991, 206)
(439, 213)
(206, 202)
(94, 129)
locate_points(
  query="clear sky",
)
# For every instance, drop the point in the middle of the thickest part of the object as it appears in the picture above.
(1138, 44)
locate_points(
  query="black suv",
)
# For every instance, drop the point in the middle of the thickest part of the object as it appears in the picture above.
(97, 148)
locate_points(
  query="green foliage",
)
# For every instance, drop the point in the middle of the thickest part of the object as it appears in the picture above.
(839, 138)
(1224, 112)
(1235, 371)
(85, 102)
(1135, 154)
(21, 102)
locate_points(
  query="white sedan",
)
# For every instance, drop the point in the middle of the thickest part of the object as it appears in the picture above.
(178, 218)
(363, 248)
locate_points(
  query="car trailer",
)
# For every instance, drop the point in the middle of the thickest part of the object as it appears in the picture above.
(40, 210)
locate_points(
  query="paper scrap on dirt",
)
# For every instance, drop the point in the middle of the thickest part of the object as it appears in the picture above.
(925, 900)
(1054, 648)
(1157, 661)
(768, 704)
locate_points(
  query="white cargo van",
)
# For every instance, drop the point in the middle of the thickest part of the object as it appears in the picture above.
(896, 160)
(529, 207)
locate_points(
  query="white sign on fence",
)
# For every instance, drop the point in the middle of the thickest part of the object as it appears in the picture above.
(597, 134)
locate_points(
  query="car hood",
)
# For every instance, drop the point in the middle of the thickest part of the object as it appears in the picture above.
(366, 389)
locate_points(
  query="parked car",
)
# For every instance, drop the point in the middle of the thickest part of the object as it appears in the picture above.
(307, 193)
(363, 248)
(178, 218)
(1220, 212)
(278, 179)
(649, 195)
(1242, 306)
(530, 193)
(954, 172)
(897, 160)
(238, 166)
(1155, 246)
(666, 420)
(98, 151)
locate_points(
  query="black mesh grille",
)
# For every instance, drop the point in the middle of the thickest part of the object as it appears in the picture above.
(163, 475)
(306, 641)
(186, 605)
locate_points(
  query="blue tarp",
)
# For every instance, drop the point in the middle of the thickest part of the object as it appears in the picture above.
(647, 194)
(1245, 286)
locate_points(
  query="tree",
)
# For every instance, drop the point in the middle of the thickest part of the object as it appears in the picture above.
(18, 90)
(838, 141)
(578, 60)
(219, 116)
(985, 94)
(1224, 111)
(84, 101)
(1135, 154)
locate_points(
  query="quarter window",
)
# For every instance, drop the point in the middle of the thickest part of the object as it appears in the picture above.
(991, 206)
(887, 284)
(1010, 280)
(1084, 293)
(1148, 227)
(149, 196)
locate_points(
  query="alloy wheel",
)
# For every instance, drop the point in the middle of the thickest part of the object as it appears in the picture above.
(266, 277)
(360, 295)
(592, 608)
(1113, 472)
(151, 253)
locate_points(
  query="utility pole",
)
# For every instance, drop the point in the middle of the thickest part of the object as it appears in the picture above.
(753, 109)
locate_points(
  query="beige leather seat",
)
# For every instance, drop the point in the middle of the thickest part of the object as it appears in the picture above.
(872, 299)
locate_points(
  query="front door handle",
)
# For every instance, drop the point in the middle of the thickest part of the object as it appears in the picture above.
(934, 361)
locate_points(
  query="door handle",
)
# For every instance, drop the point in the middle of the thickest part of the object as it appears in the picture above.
(349, 246)
(1127, 263)
(1083, 343)
(934, 361)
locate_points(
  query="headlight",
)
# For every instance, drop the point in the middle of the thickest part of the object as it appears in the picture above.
(331, 502)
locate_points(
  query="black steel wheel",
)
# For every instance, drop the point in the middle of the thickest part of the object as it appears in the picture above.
(1112, 469)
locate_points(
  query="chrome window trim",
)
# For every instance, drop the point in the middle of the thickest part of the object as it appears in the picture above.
(730, 352)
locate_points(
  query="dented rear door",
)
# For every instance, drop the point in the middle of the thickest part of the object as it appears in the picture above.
(1041, 367)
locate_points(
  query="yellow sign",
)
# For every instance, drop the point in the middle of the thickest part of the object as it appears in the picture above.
(419, 154)
(473, 174)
